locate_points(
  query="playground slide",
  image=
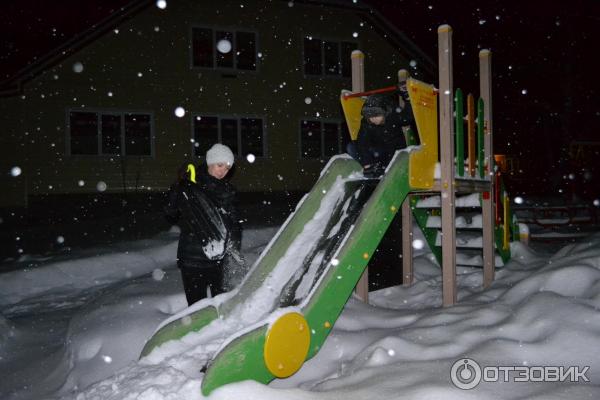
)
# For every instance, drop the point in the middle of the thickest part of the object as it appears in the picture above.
(295, 291)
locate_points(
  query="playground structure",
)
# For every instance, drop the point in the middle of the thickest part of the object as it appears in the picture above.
(283, 311)
(456, 178)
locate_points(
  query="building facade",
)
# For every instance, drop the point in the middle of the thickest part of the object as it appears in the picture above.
(122, 106)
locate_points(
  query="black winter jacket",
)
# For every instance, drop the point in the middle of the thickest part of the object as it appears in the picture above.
(378, 143)
(206, 213)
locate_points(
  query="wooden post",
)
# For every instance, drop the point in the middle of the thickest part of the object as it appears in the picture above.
(407, 239)
(447, 165)
(487, 205)
(358, 85)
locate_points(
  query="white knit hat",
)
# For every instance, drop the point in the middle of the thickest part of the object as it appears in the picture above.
(219, 153)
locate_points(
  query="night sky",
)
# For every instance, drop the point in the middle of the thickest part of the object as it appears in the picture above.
(545, 64)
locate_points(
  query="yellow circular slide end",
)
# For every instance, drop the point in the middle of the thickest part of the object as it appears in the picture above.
(286, 345)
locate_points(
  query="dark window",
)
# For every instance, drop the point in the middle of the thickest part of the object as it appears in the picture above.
(206, 133)
(310, 139)
(346, 60)
(229, 134)
(246, 50)
(202, 47)
(321, 139)
(134, 130)
(331, 139)
(313, 64)
(328, 57)
(138, 135)
(84, 132)
(230, 131)
(252, 136)
(332, 58)
(111, 134)
(223, 49)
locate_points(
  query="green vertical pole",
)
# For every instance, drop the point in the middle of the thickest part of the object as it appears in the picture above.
(480, 133)
(460, 133)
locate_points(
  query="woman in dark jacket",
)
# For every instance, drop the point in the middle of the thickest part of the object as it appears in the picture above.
(203, 206)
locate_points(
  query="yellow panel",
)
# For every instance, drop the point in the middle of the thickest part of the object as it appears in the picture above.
(352, 108)
(286, 345)
(423, 98)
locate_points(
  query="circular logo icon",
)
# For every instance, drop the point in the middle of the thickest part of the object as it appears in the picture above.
(465, 374)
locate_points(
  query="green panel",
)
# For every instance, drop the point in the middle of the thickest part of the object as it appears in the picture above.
(430, 234)
(480, 144)
(243, 358)
(411, 138)
(180, 327)
(460, 133)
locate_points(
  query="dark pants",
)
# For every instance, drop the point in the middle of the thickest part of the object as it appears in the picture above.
(198, 277)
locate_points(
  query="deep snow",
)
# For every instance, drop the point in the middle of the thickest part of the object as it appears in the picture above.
(73, 329)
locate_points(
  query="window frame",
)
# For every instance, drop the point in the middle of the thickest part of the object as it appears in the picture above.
(325, 39)
(238, 118)
(322, 121)
(112, 112)
(234, 31)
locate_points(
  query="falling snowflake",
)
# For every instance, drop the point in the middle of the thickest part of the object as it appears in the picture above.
(179, 112)
(15, 171)
(101, 186)
(158, 274)
(78, 67)
(224, 46)
(418, 244)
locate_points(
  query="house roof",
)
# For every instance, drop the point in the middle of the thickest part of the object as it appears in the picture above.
(11, 85)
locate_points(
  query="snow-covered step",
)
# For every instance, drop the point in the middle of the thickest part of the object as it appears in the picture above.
(471, 200)
(474, 222)
(471, 240)
(475, 260)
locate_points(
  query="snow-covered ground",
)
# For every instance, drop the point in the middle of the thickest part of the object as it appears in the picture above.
(73, 328)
